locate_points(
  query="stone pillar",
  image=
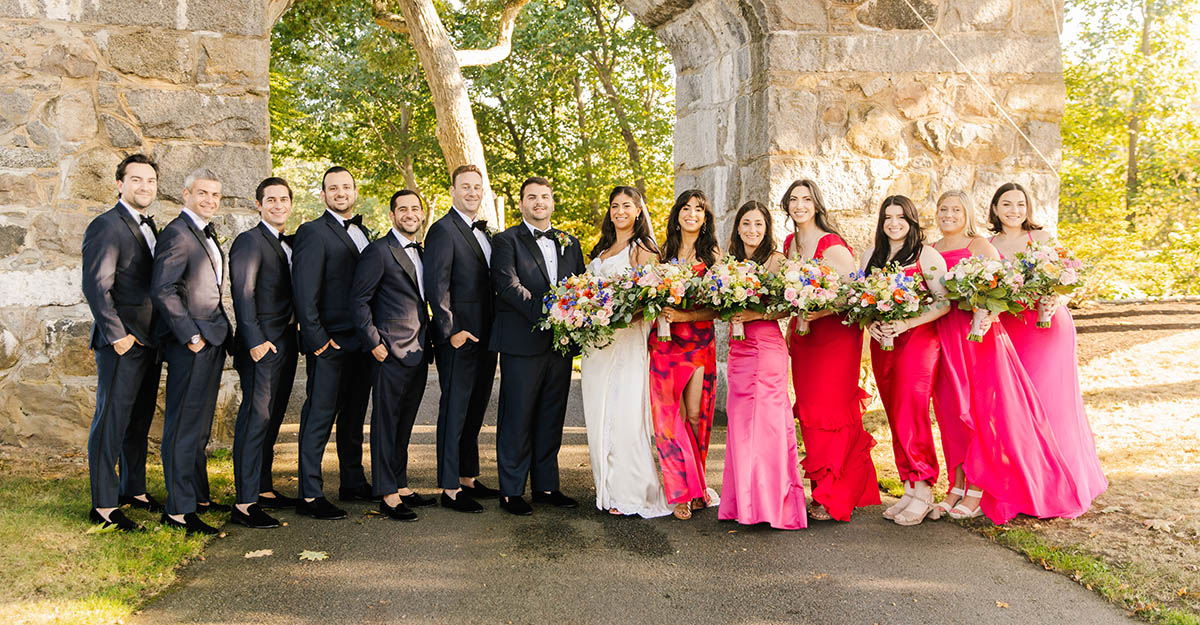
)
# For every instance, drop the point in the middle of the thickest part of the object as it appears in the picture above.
(82, 84)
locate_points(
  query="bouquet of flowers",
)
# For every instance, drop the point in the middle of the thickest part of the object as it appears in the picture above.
(656, 286)
(732, 286)
(580, 312)
(1048, 272)
(984, 286)
(886, 294)
(802, 287)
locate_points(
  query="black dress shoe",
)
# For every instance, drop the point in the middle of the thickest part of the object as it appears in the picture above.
(320, 508)
(417, 500)
(359, 493)
(516, 505)
(212, 506)
(151, 504)
(401, 512)
(254, 518)
(556, 499)
(277, 500)
(191, 524)
(479, 491)
(116, 518)
(461, 503)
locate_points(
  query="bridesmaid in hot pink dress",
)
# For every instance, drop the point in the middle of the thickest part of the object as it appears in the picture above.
(683, 371)
(1048, 354)
(762, 467)
(825, 367)
(995, 434)
(906, 374)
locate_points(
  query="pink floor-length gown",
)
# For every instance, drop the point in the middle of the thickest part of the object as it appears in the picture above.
(762, 481)
(906, 377)
(994, 425)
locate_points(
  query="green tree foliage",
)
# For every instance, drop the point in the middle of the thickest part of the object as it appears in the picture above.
(581, 72)
(1131, 136)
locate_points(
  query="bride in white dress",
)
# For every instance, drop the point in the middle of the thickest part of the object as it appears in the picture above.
(616, 379)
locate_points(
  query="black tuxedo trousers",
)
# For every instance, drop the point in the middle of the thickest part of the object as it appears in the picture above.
(465, 376)
(533, 405)
(193, 381)
(338, 391)
(266, 387)
(126, 397)
(396, 392)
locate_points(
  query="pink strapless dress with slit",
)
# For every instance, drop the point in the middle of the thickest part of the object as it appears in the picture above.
(994, 425)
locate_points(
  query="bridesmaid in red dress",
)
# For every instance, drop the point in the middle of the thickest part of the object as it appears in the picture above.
(825, 368)
(683, 371)
(1048, 354)
(995, 435)
(906, 375)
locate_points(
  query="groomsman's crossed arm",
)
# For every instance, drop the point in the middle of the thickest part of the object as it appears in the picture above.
(508, 283)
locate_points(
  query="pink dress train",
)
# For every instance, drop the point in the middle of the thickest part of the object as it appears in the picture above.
(906, 377)
(762, 481)
(994, 425)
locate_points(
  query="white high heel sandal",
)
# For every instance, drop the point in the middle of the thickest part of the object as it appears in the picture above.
(899, 506)
(960, 512)
(943, 508)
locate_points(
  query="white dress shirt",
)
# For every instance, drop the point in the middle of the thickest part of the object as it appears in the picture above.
(549, 252)
(214, 252)
(356, 233)
(484, 244)
(415, 258)
(147, 232)
(287, 249)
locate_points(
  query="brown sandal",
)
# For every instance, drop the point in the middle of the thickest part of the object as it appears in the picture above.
(698, 504)
(683, 511)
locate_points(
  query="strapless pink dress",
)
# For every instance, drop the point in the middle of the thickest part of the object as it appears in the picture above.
(994, 425)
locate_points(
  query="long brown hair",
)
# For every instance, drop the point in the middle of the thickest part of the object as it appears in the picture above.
(642, 235)
(820, 214)
(911, 250)
(994, 218)
(706, 241)
(737, 247)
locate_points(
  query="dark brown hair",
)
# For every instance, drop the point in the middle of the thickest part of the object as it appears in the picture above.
(333, 170)
(134, 158)
(642, 235)
(706, 242)
(737, 247)
(821, 213)
(401, 193)
(273, 181)
(994, 218)
(535, 180)
(913, 241)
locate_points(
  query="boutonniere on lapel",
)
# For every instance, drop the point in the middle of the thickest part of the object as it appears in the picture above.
(563, 240)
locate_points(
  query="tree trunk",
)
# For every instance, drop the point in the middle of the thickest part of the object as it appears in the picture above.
(1135, 123)
(457, 133)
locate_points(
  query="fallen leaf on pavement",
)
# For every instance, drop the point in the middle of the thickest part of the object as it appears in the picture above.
(1157, 524)
(259, 553)
(313, 555)
(1112, 509)
(1001, 604)
(100, 529)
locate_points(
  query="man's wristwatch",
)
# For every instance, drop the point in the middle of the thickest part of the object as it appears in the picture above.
(195, 340)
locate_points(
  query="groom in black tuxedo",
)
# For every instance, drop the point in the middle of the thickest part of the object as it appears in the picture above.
(118, 258)
(458, 285)
(186, 288)
(389, 308)
(528, 259)
(260, 263)
(326, 254)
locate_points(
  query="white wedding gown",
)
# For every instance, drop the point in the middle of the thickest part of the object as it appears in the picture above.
(616, 408)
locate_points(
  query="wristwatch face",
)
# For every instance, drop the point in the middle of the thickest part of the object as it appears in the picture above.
(195, 339)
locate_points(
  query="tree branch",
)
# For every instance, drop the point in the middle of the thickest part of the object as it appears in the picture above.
(500, 51)
(387, 19)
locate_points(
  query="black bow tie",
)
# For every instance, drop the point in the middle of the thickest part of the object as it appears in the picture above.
(480, 225)
(285, 238)
(210, 231)
(416, 246)
(356, 220)
(547, 233)
(146, 220)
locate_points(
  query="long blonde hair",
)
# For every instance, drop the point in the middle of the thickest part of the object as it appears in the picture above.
(970, 230)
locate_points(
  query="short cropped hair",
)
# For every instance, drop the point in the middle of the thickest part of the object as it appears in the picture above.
(202, 173)
(535, 180)
(462, 169)
(333, 170)
(273, 181)
(134, 158)
(401, 193)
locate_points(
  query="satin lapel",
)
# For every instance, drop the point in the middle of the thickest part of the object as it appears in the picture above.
(530, 244)
(466, 231)
(273, 241)
(401, 256)
(133, 226)
(340, 232)
(199, 234)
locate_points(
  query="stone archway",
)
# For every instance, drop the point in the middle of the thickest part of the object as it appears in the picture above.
(853, 93)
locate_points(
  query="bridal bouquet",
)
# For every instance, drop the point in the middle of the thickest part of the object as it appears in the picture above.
(732, 286)
(802, 287)
(661, 285)
(1048, 271)
(984, 286)
(886, 294)
(580, 312)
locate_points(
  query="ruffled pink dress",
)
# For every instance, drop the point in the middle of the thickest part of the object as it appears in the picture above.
(906, 377)
(994, 425)
(762, 481)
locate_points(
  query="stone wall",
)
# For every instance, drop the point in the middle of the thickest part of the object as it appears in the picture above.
(81, 85)
(856, 94)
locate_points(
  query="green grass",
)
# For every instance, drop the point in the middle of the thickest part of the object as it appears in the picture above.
(1129, 586)
(57, 572)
